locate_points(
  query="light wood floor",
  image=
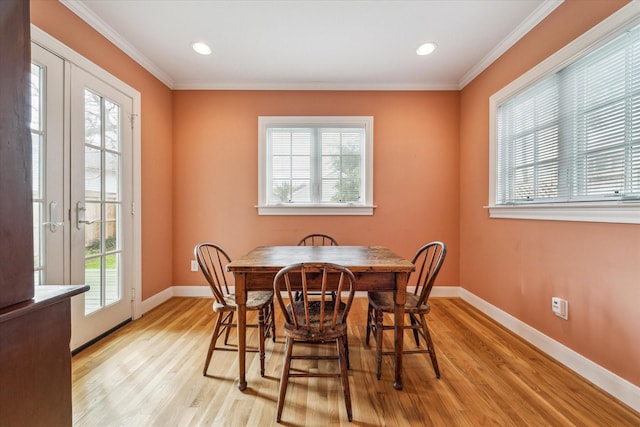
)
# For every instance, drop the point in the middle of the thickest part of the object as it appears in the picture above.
(149, 373)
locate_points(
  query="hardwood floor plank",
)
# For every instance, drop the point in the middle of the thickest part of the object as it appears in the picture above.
(150, 373)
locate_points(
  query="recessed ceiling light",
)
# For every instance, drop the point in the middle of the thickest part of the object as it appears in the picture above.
(201, 48)
(426, 48)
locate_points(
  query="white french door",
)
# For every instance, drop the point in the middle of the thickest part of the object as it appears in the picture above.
(101, 152)
(83, 184)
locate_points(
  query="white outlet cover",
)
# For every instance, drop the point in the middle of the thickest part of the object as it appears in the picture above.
(560, 307)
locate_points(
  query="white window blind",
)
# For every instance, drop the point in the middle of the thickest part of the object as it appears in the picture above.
(575, 135)
(319, 164)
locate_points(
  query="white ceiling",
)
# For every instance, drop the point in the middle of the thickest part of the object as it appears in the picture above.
(314, 44)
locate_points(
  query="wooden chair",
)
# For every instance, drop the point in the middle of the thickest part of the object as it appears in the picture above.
(212, 260)
(315, 320)
(316, 240)
(428, 261)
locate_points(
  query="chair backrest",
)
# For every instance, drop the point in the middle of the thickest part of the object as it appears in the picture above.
(323, 277)
(212, 260)
(428, 261)
(317, 240)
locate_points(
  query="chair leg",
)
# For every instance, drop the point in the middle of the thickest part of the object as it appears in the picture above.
(214, 338)
(273, 322)
(261, 338)
(284, 378)
(430, 347)
(379, 328)
(346, 351)
(344, 376)
(414, 321)
(369, 314)
(226, 333)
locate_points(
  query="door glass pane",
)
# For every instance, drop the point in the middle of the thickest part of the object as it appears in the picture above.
(92, 277)
(112, 124)
(112, 287)
(37, 163)
(92, 119)
(102, 201)
(112, 213)
(36, 96)
(92, 173)
(112, 176)
(93, 256)
(93, 230)
(38, 240)
(38, 173)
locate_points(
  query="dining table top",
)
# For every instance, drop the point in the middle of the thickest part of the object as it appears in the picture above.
(359, 259)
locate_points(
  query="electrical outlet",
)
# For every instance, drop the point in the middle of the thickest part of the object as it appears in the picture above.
(194, 265)
(560, 307)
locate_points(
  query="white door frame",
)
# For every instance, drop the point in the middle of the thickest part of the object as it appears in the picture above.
(46, 41)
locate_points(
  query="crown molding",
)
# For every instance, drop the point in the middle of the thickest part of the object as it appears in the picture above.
(532, 20)
(77, 7)
(312, 86)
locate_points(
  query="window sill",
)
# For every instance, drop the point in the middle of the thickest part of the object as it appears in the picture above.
(610, 212)
(315, 210)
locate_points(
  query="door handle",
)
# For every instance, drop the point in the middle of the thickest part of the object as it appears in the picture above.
(81, 211)
(89, 222)
(53, 218)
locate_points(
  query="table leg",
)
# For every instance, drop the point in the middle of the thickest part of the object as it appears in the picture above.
(241, 299)
(398, 332)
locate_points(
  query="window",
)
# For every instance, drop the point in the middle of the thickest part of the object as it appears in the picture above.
(315, 165)
(567, 145)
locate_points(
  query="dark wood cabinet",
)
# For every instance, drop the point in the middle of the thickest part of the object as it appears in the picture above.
(16, 228)
(35, 360)
(35, 327)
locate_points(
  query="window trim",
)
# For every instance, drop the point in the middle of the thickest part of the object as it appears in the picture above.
(618, 211)
(314, 209)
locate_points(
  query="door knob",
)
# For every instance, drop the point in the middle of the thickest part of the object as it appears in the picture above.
(53, 218)
(81, 210)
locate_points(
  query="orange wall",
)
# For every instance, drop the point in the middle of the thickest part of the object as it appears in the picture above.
(58, 21)
(216, 178)
(518, 265)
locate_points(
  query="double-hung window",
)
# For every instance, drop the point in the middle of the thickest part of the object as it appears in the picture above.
(567, 146)
(315, 165)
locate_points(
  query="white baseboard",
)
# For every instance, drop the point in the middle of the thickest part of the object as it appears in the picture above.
(618, 387)
(193, 291)
(175, 291)
(445, 292)
(154, 301)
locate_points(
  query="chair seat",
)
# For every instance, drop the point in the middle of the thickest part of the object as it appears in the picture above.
(313, 332)
(256, 300)
(383, 301)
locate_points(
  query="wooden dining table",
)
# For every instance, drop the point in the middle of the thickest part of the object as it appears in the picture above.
(375, 268)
